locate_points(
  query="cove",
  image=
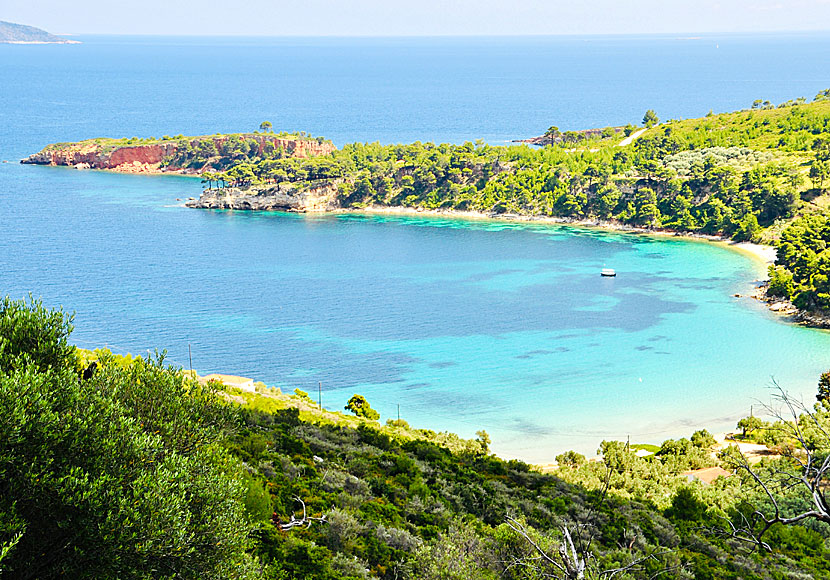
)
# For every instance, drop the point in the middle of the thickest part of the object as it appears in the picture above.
(465, 324)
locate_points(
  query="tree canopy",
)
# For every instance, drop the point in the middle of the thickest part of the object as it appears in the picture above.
(360, 407)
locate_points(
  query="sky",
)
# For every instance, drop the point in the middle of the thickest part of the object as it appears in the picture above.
(416, 17)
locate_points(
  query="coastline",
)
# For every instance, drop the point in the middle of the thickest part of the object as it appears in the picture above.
(762, 254)
(244, 391)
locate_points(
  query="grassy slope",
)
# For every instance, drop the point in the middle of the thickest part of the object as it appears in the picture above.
(756, 129)
(272, 400)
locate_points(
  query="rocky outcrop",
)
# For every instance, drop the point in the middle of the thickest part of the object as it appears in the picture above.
(89, 155)
(813, 319)
(165, 156)
(782, 306)
(301, 148)
(281, 197)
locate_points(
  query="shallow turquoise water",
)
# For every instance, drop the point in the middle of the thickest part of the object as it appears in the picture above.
(466, 325)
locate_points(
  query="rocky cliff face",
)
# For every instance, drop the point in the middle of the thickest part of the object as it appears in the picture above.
(137, 159)
(281, 197)
(160, 157)
(294, 147)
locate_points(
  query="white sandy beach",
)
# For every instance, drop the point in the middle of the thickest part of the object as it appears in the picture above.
(764, 254)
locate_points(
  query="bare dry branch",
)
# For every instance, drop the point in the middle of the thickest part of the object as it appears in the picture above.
(806, 467)
(303, 521)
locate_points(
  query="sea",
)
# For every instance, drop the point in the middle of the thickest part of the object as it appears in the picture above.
(451, 324)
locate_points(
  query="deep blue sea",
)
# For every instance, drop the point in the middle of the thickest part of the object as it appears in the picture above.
(464, 324)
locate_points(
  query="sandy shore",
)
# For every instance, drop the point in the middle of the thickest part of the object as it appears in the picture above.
(765, 255)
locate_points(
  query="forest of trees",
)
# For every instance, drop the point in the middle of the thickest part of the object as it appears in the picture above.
(730, 174)
(129, 469)
(802, 270)
(229, 151)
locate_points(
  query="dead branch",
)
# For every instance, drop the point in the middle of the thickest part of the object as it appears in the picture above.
(806, 467)
(303, 521)
(574, 561)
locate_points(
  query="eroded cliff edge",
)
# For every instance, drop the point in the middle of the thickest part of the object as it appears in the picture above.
(318, 197)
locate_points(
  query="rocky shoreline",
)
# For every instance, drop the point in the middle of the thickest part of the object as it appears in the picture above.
(788, 310)
(321, 197)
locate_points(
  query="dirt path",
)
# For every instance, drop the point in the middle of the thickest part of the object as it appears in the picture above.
(628, 140)
(752, 451)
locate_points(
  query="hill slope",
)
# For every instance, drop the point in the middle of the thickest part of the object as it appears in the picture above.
(136, 468)
(742, 175)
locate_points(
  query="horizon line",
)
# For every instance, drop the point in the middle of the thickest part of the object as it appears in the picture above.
(687, 35)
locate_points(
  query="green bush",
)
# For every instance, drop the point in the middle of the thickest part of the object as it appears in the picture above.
(780, 282)
(361, 408)
(116, 477)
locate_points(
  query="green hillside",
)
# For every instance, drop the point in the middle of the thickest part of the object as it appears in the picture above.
(742, 175)
(129, 469)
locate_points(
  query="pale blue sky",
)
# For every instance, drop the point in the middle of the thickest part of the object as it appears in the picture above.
(418, 17)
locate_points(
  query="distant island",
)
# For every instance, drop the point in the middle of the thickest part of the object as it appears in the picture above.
(11, 33)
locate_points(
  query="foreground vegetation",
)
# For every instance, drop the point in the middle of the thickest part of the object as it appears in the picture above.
(129, 469)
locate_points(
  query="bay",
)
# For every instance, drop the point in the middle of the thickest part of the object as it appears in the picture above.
(464, 324)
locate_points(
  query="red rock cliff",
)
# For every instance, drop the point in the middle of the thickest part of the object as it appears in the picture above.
(157, 157)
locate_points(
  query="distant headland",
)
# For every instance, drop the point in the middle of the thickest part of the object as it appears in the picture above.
(11, 33)
(180, 154)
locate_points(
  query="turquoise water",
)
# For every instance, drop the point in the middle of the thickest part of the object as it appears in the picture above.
(464, 324)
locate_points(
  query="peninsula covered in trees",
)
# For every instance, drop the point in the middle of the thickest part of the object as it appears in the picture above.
(741, 175)
(761, 174)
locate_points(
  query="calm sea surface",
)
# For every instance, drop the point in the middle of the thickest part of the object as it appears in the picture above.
(465, 325)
